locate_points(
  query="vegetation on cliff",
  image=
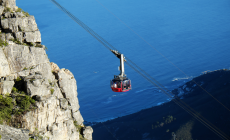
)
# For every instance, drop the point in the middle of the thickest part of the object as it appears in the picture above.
(38, 100)
(14, 104)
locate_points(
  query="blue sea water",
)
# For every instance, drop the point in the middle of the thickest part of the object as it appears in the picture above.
(193, 34)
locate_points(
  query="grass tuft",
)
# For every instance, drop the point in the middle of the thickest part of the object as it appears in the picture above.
(3, 43)
(52, 91)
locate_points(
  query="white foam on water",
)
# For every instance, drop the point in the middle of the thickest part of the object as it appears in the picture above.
(183, 78)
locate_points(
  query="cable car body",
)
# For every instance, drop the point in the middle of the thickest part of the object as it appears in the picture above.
(120, 83)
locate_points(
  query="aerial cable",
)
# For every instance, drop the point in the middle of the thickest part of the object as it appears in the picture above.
(181, 103)
(163, 56)
(96, 36)
(188, 109)
(84, 26)
(176, 100)
(166, 91)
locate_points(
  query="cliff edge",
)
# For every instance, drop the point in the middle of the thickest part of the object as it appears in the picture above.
(38, 99)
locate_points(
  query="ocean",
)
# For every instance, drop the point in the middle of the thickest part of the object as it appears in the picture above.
(194, 35)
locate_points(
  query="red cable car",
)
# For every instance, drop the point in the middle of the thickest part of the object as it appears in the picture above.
(120, 83)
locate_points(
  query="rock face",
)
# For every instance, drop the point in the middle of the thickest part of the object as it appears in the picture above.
(23, 58)
(10, 133)
(9, 3)
(18, 25)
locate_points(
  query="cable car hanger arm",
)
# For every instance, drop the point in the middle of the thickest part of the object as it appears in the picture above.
(118, 55)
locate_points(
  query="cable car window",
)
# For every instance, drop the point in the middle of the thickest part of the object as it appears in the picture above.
(118, 84)
(115, 84)
(128, 83)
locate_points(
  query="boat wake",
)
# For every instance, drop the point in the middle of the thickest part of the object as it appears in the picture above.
(184, 78)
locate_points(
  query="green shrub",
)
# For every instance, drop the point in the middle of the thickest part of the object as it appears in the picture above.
(46, 48)
(81, 137)
(8, 106)
(8, 101)
(31, 80)
(30, 44)
(16, 41)
(77, 126)
(19, 10)
(38, 45)
(21, 30)
(7, 9)
(3, 43)
(22, 92)
(51, 83)
(32, 101)
(14, 90)
(52, 91)
(31, 68)
(25, 13)
(37, 135)
(18, 79)
(24, 102)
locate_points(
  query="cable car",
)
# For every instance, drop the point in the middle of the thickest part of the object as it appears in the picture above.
(120, 83)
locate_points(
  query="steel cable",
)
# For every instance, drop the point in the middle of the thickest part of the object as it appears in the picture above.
(178, 101)
(163, 56)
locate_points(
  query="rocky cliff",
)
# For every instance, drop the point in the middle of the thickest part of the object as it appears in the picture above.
(38, 100)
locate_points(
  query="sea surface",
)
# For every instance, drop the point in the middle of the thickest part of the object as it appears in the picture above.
(169, 38)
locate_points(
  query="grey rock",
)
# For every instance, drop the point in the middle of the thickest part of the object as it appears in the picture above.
(67, 84)
(4, 65)
(19, 57)
(45, 69)
(26, 24)
(1, 9)
(8, 133)
(38, 73)
(3, 36)
(19, 36)
(35, 87)
(54, 67)
(51, 120)
(9, 36)
(32, 36)
(6, 86)
(63, 103)
(13, 15)
(36, 82)
(33, 76)
(34, 59)
(9, 3)
(10, 78)
(7, 15)
(78, 117)
(87, 132)
(19, 14)
(23, 73)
